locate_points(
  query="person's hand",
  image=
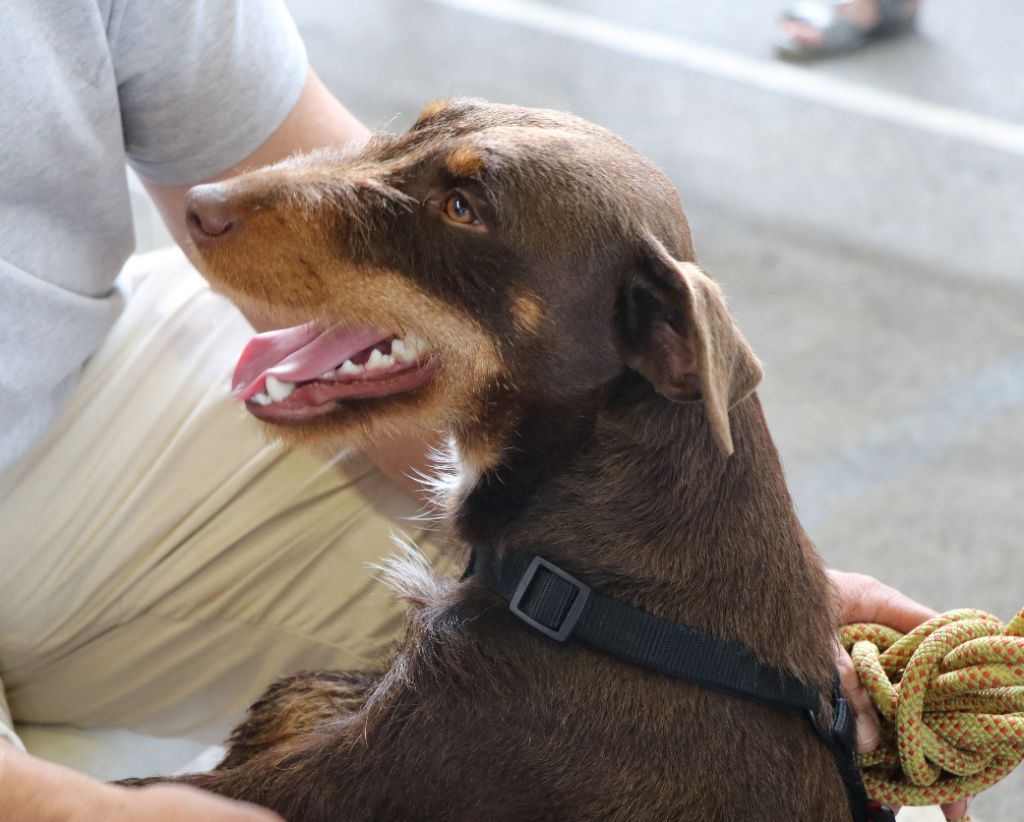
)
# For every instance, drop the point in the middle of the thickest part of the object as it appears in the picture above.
(173, 803)
(865, 599)
(32, 790)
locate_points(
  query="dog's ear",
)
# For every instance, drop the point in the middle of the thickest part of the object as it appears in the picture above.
(677, 333)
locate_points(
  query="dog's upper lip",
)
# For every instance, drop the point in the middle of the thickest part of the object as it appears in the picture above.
(303, 352)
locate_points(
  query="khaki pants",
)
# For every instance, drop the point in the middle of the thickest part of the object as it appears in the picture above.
(161, 562)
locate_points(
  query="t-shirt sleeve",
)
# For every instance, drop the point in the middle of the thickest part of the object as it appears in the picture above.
(202, 83)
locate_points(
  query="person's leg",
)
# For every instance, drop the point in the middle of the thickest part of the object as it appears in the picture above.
(162, 562)
(804, 31)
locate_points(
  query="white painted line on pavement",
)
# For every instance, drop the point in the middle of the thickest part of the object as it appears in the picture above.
(772, 76)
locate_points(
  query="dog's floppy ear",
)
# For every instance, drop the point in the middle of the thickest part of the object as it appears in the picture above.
(677, 333)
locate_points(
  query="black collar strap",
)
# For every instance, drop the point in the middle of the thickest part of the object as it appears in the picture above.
(840, 741)
(561, 607)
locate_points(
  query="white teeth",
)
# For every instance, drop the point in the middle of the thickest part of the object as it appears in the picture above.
(403, 350)
(410, 348)
(279, 389)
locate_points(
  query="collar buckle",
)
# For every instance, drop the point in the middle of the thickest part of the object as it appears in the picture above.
(562, 631)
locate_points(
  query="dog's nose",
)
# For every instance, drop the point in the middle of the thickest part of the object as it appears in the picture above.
(209, 213)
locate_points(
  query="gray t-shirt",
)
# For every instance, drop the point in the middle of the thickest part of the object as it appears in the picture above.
(181, 90)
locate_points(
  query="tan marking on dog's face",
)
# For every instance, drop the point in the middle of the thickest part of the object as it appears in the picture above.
(434, 108)
(361, 237)
(528, 313)
(300, 278)
(465, 162)
(467, 355)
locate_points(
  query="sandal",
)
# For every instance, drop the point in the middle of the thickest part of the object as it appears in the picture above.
(839, 35)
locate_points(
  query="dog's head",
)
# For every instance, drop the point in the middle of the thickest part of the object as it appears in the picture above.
(493, 255)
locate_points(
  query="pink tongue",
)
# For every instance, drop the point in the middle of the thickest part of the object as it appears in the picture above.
(304, 352)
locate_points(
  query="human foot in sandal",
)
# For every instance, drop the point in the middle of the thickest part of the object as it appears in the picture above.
(821, 28)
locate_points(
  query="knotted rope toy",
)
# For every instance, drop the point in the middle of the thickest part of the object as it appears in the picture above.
(951, 698)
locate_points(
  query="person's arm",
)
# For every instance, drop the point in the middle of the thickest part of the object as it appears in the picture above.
(32, 790)
(317, 120)
(865, 599)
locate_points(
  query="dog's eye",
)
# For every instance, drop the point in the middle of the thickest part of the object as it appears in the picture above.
(458, 210)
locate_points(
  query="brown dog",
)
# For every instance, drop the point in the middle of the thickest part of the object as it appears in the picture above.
(538, 276)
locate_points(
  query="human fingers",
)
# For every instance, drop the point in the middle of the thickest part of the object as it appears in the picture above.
(181, 803)
(957, 810)
(867, 725)
(864, 599)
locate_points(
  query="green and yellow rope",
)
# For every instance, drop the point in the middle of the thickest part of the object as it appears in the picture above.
(951, 698)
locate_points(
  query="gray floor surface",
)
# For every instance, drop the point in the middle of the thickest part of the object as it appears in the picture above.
(872, 260)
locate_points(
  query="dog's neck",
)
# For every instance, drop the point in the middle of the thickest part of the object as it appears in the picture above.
(633, 496)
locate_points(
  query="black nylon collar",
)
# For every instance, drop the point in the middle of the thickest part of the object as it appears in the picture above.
(558, 605)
